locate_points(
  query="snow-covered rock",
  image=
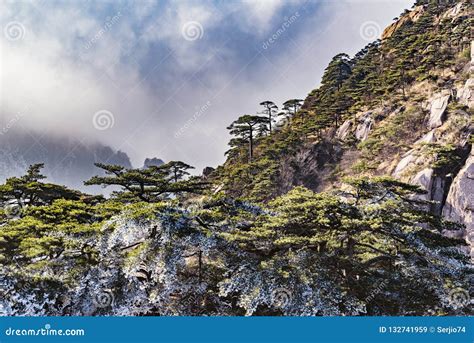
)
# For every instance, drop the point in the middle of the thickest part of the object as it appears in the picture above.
(438, 106)
(459, 205)
(364, 127)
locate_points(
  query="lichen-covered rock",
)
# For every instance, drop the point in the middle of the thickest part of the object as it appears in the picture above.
(459, 205)
(438, 106)
(344, 129)
(364, 127)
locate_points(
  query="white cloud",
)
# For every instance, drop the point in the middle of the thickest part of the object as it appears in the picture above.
(66, 75)
(258, 14)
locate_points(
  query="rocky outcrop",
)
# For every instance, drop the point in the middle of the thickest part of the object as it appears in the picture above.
(344, 129)
(424, 179)
(364, 127)
(465, 95)
(410, 158)
(437, 107)
(152, 162)
(459, 205)
(206, 172)
(407, 160)
(308, 167)
(454, 12)
(430, 137)
(67, 161)
(412, 16)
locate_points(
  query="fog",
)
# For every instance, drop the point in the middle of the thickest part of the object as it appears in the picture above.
(164, 79)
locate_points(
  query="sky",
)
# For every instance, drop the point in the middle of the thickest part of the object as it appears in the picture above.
(165, 78)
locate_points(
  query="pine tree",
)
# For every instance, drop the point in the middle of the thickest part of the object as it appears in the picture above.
(270, 110)
(152, 184)
(246, 129)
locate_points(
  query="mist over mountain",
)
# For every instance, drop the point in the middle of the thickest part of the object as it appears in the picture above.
(68, 161)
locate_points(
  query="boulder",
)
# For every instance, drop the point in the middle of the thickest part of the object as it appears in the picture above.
(364, 127)
(344, 129)
(424, 178)
(404, 163)
(434, 186)
(428, 138)
(438, 106)
(459, 206)
(465, 95)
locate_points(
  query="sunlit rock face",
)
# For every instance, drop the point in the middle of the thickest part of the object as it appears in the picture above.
(465, 94)
(364, 127)
(412, 16)
(459, 205)
(438, 105)
(344, 130)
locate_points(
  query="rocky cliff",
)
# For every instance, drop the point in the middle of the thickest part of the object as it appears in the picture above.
(406, 108)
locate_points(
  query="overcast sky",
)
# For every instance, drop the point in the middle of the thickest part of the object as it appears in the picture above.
(164, 79)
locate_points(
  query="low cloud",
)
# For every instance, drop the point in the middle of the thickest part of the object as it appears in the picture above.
(132, 61)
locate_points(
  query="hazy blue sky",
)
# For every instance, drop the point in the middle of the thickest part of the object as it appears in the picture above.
(164, 79)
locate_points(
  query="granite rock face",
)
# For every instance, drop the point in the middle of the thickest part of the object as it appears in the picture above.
(459, 205)
(465, 95)
(411, 16)
(364, 127)
(438, 105)
(344, 129)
